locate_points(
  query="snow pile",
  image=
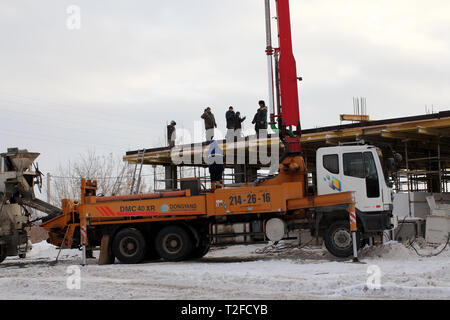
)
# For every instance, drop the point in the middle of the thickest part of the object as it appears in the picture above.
(394, 250)
(44, 250)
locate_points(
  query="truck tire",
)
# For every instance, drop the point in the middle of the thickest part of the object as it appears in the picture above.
(200, 251)
(129, 246)
(3, 253)
(338, 239)
(173, 243)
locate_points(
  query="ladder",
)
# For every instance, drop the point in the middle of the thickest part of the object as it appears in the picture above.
(140, 164)
(118, 182)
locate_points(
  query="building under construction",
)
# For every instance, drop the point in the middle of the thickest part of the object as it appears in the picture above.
(423, 141)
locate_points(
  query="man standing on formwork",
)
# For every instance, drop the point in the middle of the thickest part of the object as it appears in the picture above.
(171, 133)
(210, 123)
(260, 119)
(238, 124)
(215, 161)
(230, 117)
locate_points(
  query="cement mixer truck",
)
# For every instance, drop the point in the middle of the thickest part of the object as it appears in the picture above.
(18, 178)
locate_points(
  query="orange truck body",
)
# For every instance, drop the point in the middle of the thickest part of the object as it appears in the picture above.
(283, 196)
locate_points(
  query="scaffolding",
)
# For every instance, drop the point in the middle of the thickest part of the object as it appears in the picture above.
(423, 141)
(161, 182)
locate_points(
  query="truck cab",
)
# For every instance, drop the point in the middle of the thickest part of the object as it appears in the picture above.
(357, 168)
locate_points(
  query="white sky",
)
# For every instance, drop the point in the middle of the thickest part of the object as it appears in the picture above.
(135, 65)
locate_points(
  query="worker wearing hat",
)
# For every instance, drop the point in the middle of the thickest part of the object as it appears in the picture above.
(260, 119)
(210, 123)
(230, 117)
(171, 133)
(238, 124)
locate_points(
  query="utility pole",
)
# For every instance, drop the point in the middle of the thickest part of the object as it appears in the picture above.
(49, 177)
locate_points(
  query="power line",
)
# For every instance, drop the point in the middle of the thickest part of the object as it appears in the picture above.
(94, 178)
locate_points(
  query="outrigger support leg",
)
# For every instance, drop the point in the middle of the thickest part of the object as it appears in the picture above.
(354, 230)
(106, 257)
(83, 257)
(84, 238)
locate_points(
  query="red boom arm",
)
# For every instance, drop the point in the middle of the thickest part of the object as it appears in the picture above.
(287, 69)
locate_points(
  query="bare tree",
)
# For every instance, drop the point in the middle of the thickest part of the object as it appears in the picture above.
(114, 177)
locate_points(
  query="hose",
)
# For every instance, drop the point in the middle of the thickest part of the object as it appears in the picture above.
(274, 248)
(414, 241)
(430, 255)
(273, 126)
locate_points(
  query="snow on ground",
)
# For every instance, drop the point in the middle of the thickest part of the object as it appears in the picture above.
(237, 272)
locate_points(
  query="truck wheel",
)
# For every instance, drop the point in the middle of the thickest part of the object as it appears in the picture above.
(338, 239)
(200, 251)
(173, 243)
(129, 246)
(3, 253)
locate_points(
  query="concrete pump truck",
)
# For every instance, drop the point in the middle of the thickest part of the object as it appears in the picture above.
(352, 202)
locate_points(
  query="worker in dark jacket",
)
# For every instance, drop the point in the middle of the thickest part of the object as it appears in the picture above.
(230, 117)
(210, 123)
(238, 124)
(171, 133)
(255, 121)
(262, 115)
(260, 118)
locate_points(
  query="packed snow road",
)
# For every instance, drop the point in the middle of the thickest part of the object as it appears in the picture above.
(238, 272)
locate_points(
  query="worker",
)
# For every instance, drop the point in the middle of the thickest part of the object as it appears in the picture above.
(230, 117)
(210, 123)
(238, 124)
(255, 121)
(260, 119)
(215, 160)
(171, 133)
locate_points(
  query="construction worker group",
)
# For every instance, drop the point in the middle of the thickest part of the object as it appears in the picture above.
(234, 130)
(233, 120)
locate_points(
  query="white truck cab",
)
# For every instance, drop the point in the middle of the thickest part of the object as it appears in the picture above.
(357, 168)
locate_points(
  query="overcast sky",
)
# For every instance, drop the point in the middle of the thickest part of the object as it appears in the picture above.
(135, 65)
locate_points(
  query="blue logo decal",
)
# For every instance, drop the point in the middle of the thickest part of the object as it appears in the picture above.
(164, 208)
